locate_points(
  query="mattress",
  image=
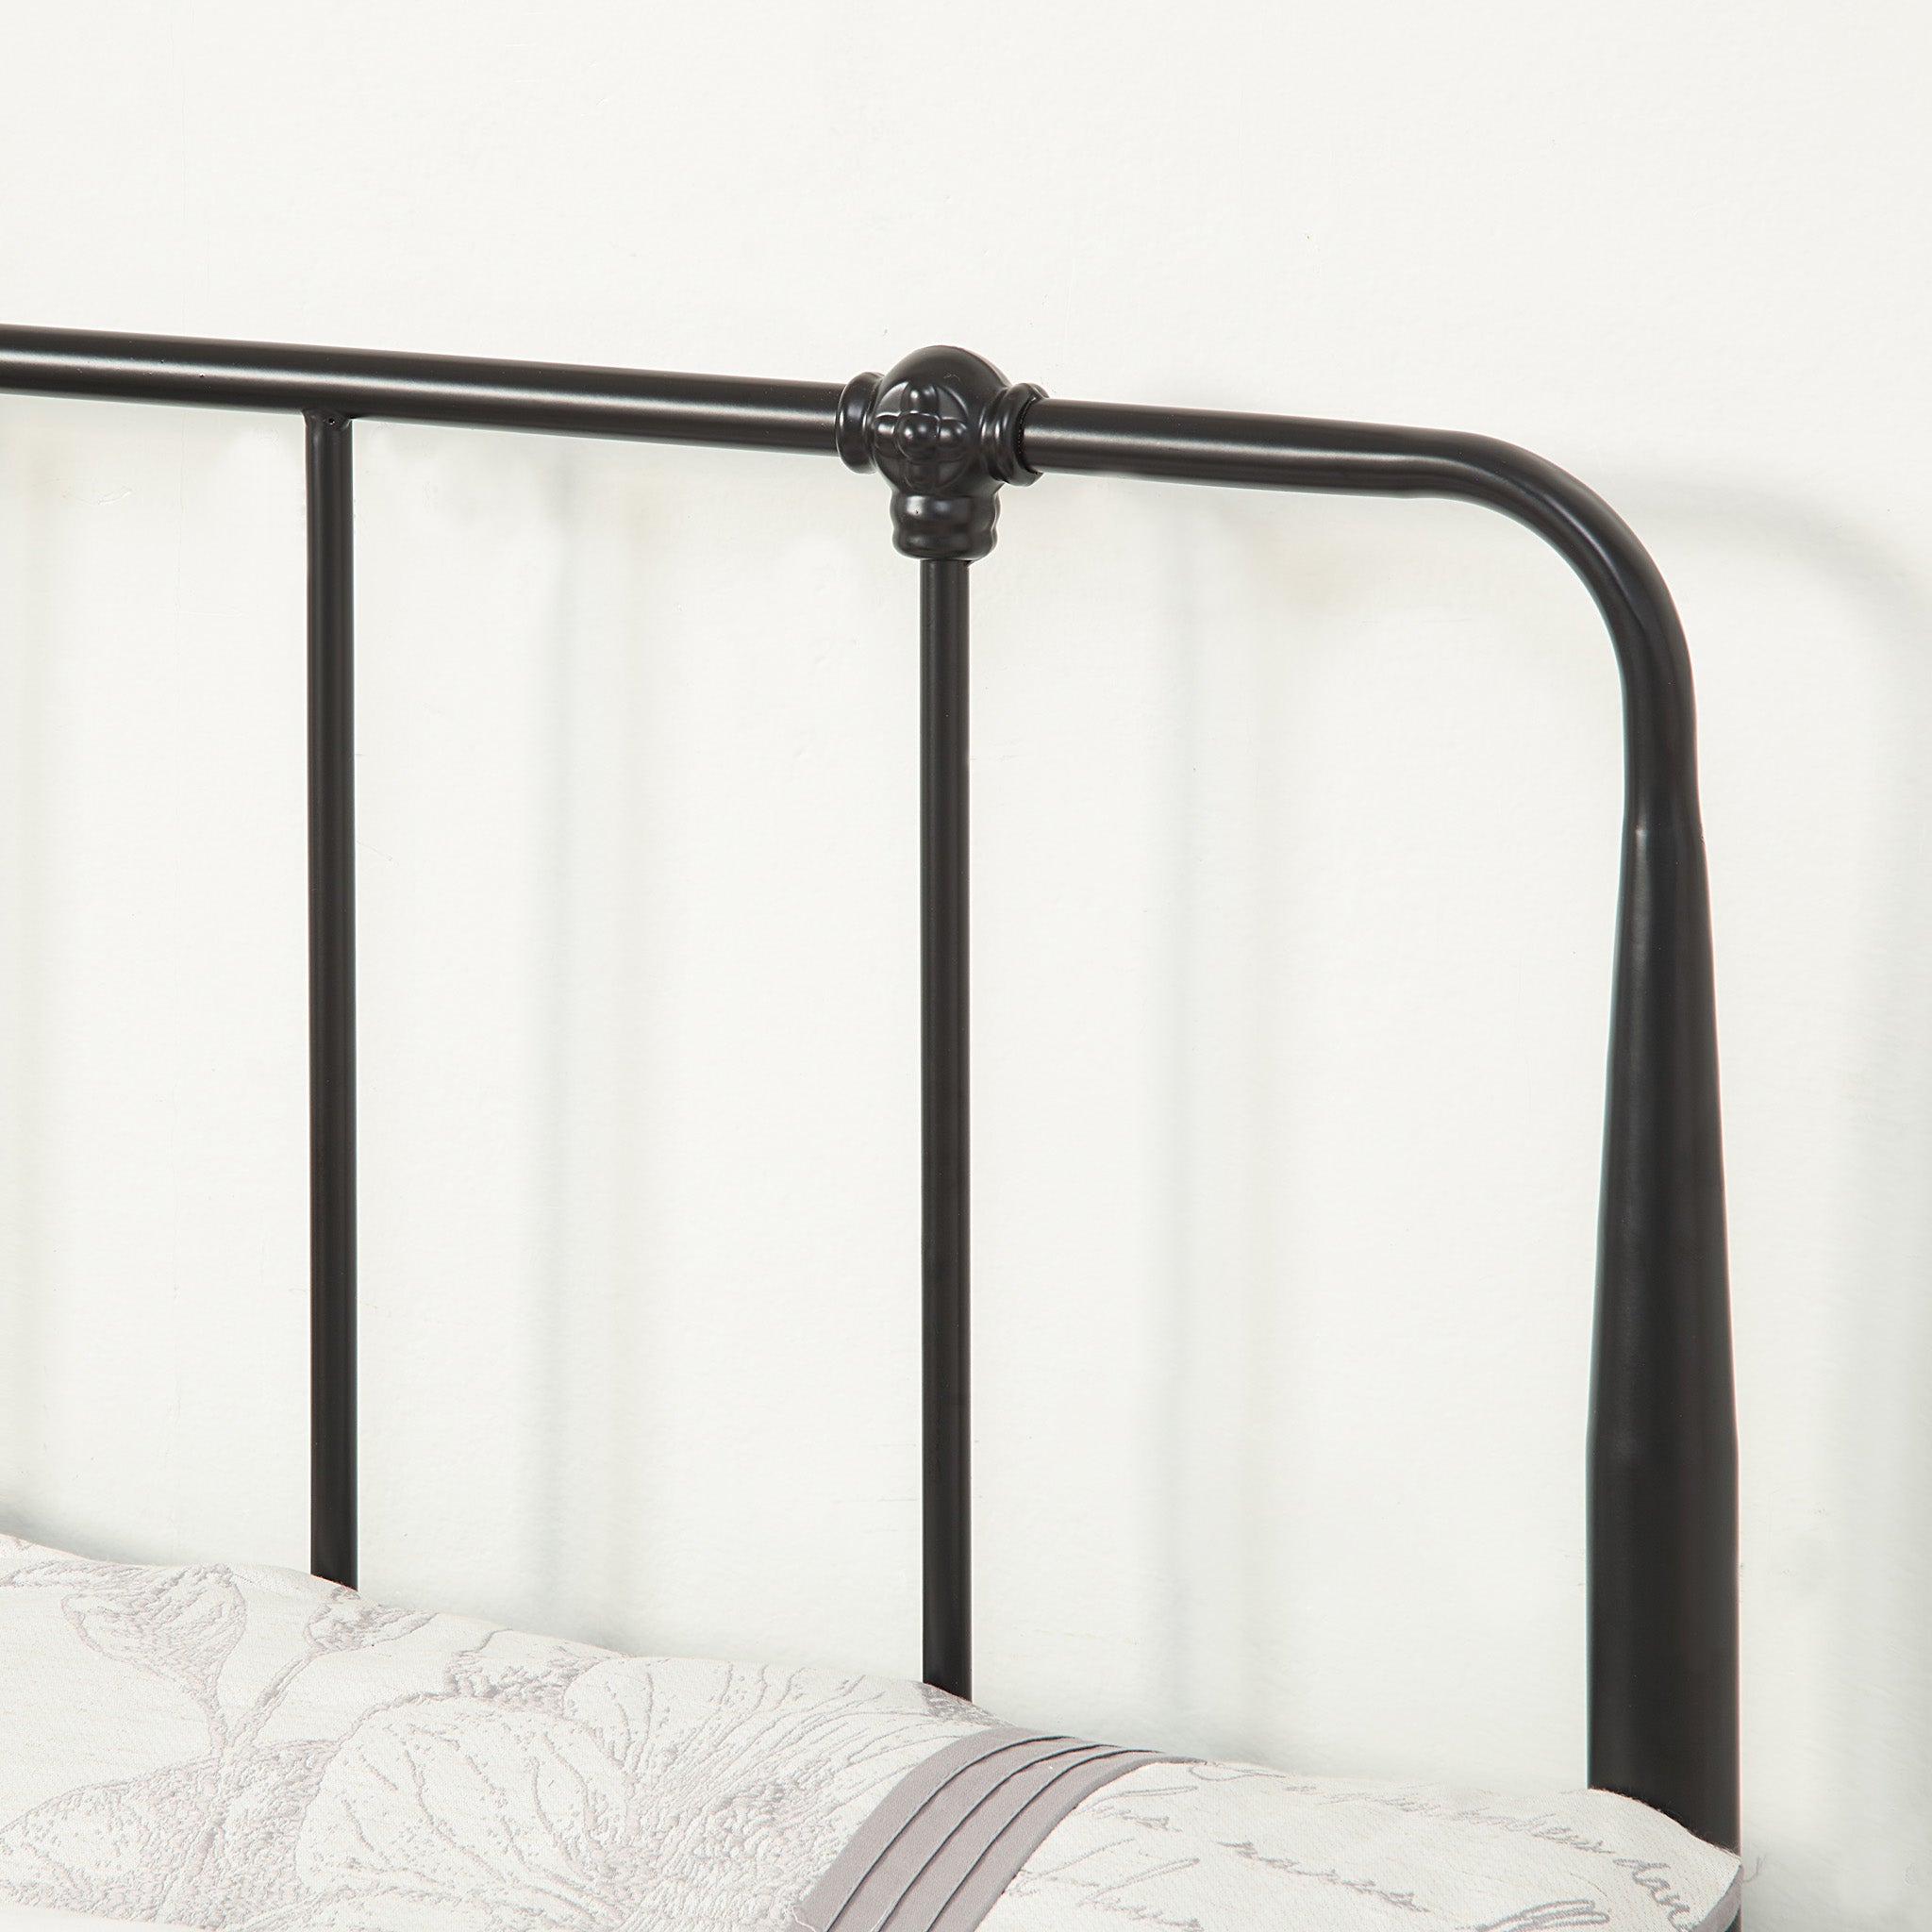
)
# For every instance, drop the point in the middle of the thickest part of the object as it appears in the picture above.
(235, 1747)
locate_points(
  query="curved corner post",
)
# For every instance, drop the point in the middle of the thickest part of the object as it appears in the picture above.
(1663, 1453)
(331, 1002)
(1662, 1456)
(941, 427)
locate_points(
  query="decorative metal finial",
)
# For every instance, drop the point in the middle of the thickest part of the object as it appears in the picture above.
(943, 427)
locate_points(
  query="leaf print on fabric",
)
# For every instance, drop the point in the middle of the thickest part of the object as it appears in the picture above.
(606, 1792)
(119, 1849)
(347, 1621)
(180, 1625)
(209, 1841)
(102, 1848)
(655, 1713)
(732, 1773)
(513, 1812)
(748, 1781)
(536, 1675)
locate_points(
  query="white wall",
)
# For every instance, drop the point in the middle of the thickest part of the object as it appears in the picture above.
(1296, 837)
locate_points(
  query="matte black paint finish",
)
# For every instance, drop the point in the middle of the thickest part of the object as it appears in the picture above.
(1663, 1436)
(331, 1002)
(945, 1129)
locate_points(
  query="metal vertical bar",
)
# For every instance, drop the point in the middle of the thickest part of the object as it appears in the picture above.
(945, 1115)
(331, 1003)
(1663, 1440)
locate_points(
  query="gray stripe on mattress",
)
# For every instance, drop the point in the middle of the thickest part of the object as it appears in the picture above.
(919, 1830)
(923, 1890)
(888, 1820)
(941, 1845)
(1000, 1863)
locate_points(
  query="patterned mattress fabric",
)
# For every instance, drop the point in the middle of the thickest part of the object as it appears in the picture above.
(252, 1748)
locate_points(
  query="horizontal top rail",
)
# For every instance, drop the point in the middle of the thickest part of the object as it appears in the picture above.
(728, 411)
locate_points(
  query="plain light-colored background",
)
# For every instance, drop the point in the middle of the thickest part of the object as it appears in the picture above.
(1295, 841)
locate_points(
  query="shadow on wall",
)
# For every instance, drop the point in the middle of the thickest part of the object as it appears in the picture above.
(23, 592)
(152, 1055)
(1395, 859)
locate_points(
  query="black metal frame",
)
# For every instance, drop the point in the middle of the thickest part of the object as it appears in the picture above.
(947, 431)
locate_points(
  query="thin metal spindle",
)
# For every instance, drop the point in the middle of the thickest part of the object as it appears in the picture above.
(331, 1003)
(948, 1450)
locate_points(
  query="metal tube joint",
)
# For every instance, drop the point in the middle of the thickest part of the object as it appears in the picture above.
(943, 427)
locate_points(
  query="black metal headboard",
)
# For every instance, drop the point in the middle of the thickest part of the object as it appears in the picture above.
(947, 430)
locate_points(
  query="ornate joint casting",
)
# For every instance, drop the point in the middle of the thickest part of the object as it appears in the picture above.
(943, 427)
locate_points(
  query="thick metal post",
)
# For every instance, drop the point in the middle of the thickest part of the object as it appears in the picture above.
(331, 1003)
(945, 1125)
(1663, 1441)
